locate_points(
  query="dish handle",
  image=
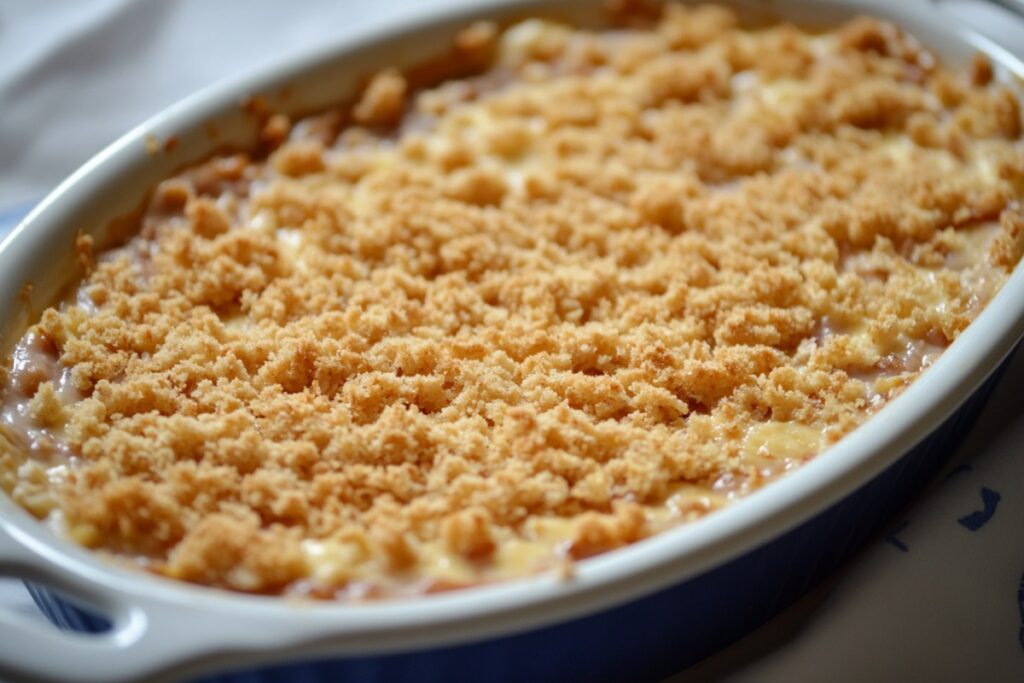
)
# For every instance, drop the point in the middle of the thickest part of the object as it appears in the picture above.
(148, 634)
(39, 651)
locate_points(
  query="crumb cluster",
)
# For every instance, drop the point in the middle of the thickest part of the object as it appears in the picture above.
(432, 322)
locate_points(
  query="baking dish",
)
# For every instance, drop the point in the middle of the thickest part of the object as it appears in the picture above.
(636, 613)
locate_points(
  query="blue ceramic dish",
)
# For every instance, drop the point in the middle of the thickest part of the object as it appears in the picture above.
(637, 613)
(657, 635)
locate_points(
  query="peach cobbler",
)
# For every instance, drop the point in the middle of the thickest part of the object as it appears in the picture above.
(593, 285)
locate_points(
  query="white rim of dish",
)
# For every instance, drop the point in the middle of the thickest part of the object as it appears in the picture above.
(139, 603)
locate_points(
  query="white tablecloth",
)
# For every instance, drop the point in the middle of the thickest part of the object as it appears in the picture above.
(940, 599)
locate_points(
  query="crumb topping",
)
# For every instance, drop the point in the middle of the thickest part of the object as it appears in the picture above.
(603, 287)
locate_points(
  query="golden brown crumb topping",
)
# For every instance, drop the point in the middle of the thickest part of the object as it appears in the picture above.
(603, 287)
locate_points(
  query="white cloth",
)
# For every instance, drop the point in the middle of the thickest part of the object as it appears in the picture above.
(75, 74)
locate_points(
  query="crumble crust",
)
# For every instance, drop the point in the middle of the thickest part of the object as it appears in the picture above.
(602, 288)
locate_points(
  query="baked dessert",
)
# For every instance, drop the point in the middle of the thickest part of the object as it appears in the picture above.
(595, 285)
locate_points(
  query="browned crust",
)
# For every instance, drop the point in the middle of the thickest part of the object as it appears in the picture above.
(453, 353)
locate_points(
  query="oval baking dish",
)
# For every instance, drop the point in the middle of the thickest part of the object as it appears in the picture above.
(637, 613)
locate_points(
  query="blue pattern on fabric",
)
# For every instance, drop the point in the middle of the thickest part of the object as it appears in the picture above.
(891, 537)
(979, 518)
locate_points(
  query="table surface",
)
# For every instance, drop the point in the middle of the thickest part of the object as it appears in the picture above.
(940, 596)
